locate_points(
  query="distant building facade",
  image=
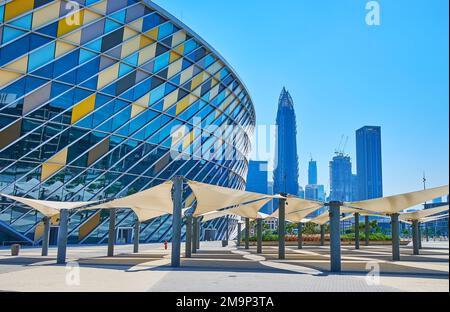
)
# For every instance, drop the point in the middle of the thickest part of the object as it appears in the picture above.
(369, 162)
(257, 180)
(312, 172)
(285, 174)
(341, 178)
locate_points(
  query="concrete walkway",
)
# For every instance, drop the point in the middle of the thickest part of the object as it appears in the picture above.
(229, 269)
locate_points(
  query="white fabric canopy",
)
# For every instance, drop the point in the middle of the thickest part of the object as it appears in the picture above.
(48, 208)
(435, 218)
(394, 204)
(148, 204)
(297, 208)
(212, 197)
(325, 217)
(250, 211)
(417, 215)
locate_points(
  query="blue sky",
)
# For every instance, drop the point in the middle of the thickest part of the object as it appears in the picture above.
(342, 74)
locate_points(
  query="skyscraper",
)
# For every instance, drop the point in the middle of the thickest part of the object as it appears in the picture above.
(341, 178)
(257, 180)
(312, 172)
(285, 175)
(368, 162)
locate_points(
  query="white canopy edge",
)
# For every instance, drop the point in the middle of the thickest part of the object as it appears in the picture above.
(48, 208)
(435, 218)
(394, 204)
(420, 214)
(213, 198)
(151, 203)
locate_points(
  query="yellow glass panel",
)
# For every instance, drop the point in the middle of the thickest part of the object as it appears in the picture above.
(147, 54)
(187, 74)
(7, 77)
(137, 24)
(89, 225)
(188, 140)
(145, 41)
(136, 110)
(20, 65)
(46, 14)
(178, 38)
(70, 22)
(173, 56)
(54, 164)
(90, 16)
(74, 37)
(63, 48)
(108, 75)
(128, 33)
(153, 33)
(100, 7)
(143, 101)
(17, 7)
(180, 49)
(130, 46)
(197, 81)
(174, 68)
(39, 231)
(183, 104)
(170, 99)
(83, 108)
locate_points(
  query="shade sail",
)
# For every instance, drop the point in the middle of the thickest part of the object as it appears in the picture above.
(363, 214)
(212, 197)
(394, 204)
(435, 218)
(325, 217)
(250, 210)
(48, 208)
(297, 208)
(417, 215)
(148, 204)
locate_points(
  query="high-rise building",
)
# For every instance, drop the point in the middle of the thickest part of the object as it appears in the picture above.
(301, 192)
(312, 172)
(315, 192)
(341, 178)
(355, 191)
(257, 180)
(285, 175)
(369, 163)
(97, 101)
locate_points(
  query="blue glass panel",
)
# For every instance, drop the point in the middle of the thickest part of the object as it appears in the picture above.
(50, 30)
(165, 30)
(10, 33)
(161, 62)
(120, 16)
(41, 56)
(23, 22)
(111, 25)
(85, 56)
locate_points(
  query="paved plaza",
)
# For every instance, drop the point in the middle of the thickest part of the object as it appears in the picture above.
(228, 269)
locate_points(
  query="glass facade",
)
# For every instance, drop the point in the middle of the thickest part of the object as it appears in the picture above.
(285, 174)
(100, 99)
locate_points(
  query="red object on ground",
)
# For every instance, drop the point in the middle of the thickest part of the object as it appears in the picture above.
(165, 245)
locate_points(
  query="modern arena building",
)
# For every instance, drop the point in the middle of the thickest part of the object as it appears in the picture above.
(95, 98)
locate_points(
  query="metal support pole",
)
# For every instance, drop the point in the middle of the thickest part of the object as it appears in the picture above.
(395, 237)
(176, 220)
(194, 235)
(322, 235)
(420, 236)
(188, 246)
(227, 234)
(62, 236)
(335, 237)
(356, 230)
(259, 235)
(247, 233)
(367, 229)
(137, 225)
(199, 232)
(239, 234)
(45, 237)
(300, 235)
(281, 228)
(415, 237)
(111, 232)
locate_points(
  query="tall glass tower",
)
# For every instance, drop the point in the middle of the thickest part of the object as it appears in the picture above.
(285, 175)
(312, 172)
(368, 162)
